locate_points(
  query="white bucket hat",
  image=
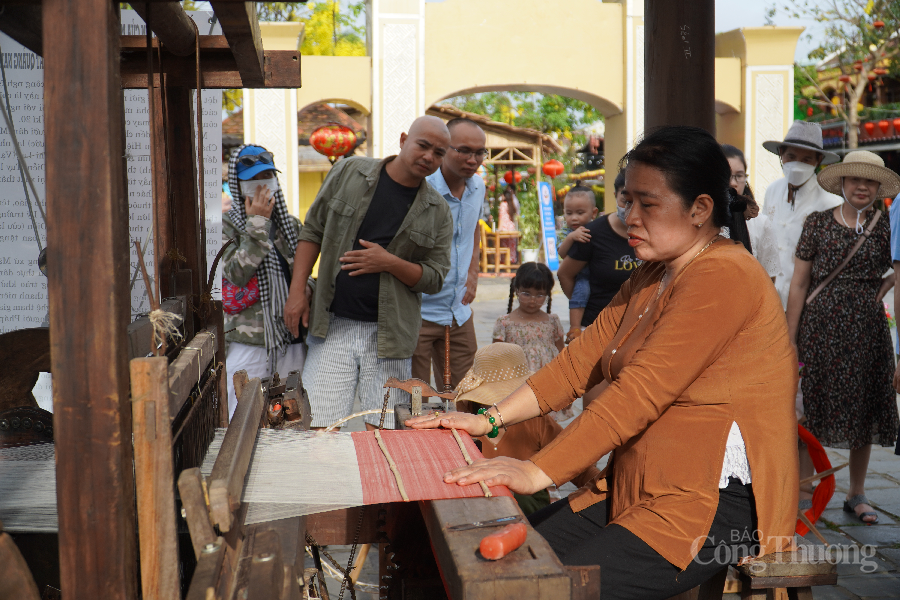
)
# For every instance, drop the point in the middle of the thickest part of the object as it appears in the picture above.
(861, 163)
(807, 136)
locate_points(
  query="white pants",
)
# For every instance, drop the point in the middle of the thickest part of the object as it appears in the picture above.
(345, 365)
(254, 360)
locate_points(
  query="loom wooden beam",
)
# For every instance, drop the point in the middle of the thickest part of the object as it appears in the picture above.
(23, 23)
(140, 332)
(679, 54)
(240, 26)
(213, 572)
(170, 24)
(227, 477)
(155, 496)
(219, 70)
(338, 527)
(187, 370)
(88, 279)
(533, 571)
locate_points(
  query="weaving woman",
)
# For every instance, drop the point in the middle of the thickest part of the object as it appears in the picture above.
(698, 382)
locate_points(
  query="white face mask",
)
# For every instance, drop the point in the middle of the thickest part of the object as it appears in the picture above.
(622, 213)
(859, 211)
(248, 188)
(798, 173)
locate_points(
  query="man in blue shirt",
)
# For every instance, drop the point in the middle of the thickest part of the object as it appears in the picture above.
(463, 190)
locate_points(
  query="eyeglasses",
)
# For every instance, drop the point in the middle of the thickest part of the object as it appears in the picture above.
(263, 157)
(527, 296)
(739, 177)
(467, 154)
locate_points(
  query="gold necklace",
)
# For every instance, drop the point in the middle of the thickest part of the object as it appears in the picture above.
(659, 287)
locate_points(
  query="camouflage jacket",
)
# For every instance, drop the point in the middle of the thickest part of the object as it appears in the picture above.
(239, 263)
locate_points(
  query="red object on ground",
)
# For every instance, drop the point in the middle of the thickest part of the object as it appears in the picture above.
(553, 168)
(869, 127)
(435, 452)
(497, 545)
(883, 126)
(825, 488)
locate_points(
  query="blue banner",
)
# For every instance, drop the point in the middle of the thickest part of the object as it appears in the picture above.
(548, 225)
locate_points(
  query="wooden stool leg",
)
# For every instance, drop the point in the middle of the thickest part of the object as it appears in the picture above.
(801, 593)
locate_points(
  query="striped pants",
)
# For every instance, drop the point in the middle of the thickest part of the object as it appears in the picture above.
(345, 365)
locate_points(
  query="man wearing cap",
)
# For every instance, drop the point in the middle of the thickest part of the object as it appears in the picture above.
(463, 190)
(382, 236)
(260, 259)
(791, 199)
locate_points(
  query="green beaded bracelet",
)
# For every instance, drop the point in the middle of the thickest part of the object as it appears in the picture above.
(494, 430)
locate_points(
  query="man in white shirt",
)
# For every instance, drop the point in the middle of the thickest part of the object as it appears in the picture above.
(791, 199)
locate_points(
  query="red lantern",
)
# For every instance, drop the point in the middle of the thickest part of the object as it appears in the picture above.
(870, 127)
(883, 126)
(809, 111)
(897, 126)
(333, 140)
(878, 24)
(880, 71)
(844, 78)
(858, 65)
(508, 177)
(553, 168)
(871, 76)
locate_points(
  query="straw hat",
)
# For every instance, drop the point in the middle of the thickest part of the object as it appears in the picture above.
(499, 369)
(807, 136)
(861, 163)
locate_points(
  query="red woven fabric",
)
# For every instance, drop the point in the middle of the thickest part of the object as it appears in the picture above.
(825, 488)
(422, 458)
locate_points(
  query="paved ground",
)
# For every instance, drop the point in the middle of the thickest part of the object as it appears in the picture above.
(872, 569)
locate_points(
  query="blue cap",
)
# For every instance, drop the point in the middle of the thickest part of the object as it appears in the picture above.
(244, 172)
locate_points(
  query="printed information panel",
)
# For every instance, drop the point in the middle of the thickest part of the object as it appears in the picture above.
(548, 225)
(23, 289)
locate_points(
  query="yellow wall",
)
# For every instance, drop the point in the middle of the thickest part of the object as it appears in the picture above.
(345, 79)
(309, 185)
(473, 45)
(280, 36)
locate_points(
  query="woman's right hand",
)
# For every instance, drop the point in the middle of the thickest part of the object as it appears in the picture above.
(262, 203)
(474, 425)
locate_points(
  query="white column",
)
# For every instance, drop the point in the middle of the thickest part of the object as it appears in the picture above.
(270, 120)
(398, 78)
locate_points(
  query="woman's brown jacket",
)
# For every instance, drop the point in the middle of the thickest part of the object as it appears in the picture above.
(712, 349)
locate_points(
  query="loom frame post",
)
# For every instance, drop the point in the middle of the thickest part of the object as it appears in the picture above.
(152, 429)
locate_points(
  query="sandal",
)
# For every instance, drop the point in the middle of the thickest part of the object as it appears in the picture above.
(851, 504)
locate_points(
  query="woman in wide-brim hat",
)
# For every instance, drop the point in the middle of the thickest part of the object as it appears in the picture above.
(498, 370)
(841, 334)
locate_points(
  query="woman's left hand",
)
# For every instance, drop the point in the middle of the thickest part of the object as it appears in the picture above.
(520, 476)
(474, 425)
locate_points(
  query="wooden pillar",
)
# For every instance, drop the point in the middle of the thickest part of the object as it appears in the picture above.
(177, 208)
(679, 57)
(88, 268)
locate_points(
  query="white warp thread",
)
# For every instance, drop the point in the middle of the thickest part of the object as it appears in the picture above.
(295, 473)
(28, 489)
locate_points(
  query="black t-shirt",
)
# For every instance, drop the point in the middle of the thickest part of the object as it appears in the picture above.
(357, 297)
(610, 260)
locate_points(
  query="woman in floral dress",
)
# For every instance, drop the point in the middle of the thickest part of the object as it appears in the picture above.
(842, 334)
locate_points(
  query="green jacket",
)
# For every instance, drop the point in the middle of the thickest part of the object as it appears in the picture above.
(239, 263)
(424, 238)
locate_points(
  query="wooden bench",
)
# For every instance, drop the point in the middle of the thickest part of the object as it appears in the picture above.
(793, 571)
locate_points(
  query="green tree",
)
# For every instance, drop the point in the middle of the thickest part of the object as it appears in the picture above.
(548, 113)
(859, 37)
(331, 31)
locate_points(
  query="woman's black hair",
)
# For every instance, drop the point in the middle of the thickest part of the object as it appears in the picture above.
(619, 183)
(693, 163)
(734, 152)
(737, 224)
(532, 275)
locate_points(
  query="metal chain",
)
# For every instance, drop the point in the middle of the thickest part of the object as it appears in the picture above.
(334, 563)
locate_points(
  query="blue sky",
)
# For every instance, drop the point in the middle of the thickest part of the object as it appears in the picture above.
(732, 14)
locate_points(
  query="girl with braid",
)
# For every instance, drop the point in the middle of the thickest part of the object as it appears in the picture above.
(539, 334)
